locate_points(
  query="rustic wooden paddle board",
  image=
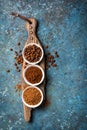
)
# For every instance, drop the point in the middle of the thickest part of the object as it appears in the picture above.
(32, 38)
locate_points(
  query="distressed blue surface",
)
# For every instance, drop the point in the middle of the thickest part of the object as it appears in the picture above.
(63, 26)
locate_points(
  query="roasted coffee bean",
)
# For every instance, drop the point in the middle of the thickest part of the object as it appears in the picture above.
(56, 54)
(8, 71)
(11, 49)
(20, 51)
(32, 53)
(15, 64)
(46, 46)
(54, 65)
(18, 43)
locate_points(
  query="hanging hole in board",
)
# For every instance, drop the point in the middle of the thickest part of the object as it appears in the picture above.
(30, 22)
(31, 27)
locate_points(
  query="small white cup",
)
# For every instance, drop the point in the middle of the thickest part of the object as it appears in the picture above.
(32, 106)
(32, 63)
(29, 83)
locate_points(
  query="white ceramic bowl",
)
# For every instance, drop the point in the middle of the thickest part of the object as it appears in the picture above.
(32, 63)
(32, 106)
(29, 83)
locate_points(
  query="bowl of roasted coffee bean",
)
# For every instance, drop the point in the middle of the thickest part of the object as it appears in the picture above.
(33, 75)
(32, 53)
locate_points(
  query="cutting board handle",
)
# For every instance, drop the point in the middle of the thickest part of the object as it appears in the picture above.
(31, 28)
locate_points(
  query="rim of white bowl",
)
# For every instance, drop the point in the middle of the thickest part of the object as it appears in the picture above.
(32, 106)
(33, 63)
(29, 83)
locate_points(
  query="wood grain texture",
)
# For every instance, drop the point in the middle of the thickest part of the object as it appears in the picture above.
(32, 38)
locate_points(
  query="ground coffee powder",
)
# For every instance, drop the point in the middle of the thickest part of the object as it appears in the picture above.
(33, 75)
(32, 96)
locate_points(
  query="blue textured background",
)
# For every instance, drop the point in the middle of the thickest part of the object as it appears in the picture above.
(63, 26)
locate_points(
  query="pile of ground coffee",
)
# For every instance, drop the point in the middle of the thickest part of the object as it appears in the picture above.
(33, 75)
(32, 53)
(32, 96)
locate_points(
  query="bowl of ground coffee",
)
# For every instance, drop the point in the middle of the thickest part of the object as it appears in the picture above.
(33, 75)
(32, 53)
(32, 97)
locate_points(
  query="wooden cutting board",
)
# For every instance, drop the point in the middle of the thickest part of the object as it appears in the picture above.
(32, 38)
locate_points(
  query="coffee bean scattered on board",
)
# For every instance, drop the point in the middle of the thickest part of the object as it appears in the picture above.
(16, 53)
(56, 54)
(50, 59)
(17, 67)
(20, 51)
(11, 49)
(18, 43)
(19, 70)
(54, 65)
(46, 46)
(48, 53)
(8, 71)
(15, 64)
